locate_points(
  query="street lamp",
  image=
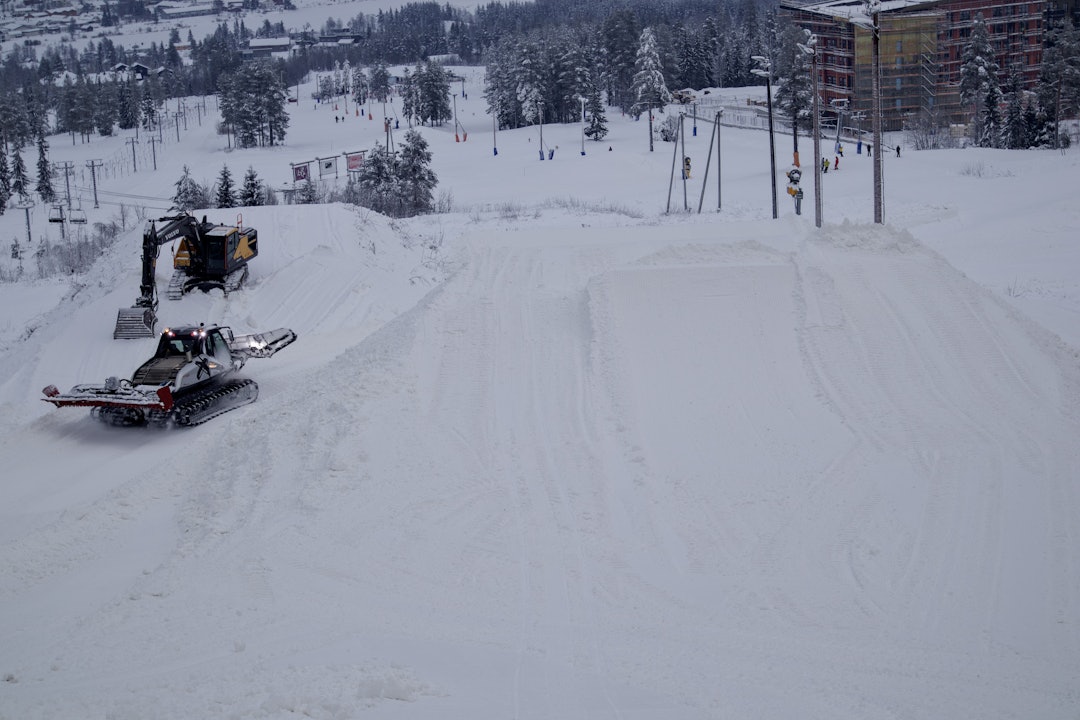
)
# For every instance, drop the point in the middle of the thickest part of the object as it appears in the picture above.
(582, 98)
(765, 71)
(810, 48)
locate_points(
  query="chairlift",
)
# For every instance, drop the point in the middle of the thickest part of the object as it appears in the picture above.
(77, 216)
(56, 214)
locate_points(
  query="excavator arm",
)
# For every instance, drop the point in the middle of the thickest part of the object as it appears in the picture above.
(139, 320)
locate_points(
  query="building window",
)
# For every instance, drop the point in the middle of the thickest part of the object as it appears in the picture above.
(899, 46)
(898, 86)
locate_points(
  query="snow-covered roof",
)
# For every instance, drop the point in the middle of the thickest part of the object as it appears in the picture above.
(269, 42)
(856, 10)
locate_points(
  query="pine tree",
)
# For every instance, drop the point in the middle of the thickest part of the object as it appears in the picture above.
(189, 194)
(106, 109)
(308, 195)
(1058, 87)
(597, 122)
(44, 186)
(18, 173)
(649, 87)
(226, 194)
(433, 93)
(978, 76)
(794, 95)
(5, 182)
(1016, 131)
(251, 192)
(379, 82)
(127, 105)
(415, 179)
(621, 34)
(991, 126)
(376, 179)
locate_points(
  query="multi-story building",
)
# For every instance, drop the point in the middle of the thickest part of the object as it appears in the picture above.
(921, 43)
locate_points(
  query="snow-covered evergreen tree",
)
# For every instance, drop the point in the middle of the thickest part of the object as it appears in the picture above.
(127, 105)
(794, 89)
(1015, 133)
(309, 194)
(376, 180)
(44, 186)
(361, 88)
(225, 195)
(978, 76)
(1058, 87)
(409, 101)
(5, 182)
(252, 102)
(649, 87)
(415, 179)
(694, 61)
(18, 172)
(190, 194)
(106, 108)
(379, 82)
(433, 93)
(596, 124)
(530, 86)
(622, 34)
(251, 192)
(991, 126)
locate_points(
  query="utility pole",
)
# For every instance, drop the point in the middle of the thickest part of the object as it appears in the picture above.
(873, 7)
(153, 151)
(133, 142)
(766, 72)
(68, 167)
(176, 119)
(93, 165)
(682, 144)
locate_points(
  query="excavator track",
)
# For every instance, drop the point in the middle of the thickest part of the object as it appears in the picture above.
(207, 404)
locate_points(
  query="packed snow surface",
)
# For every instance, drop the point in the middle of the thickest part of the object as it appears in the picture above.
(557, 454)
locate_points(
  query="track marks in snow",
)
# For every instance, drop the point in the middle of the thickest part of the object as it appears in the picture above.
(931, 373)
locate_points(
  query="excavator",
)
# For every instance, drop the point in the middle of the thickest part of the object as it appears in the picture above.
(189, 380)
(209, 256)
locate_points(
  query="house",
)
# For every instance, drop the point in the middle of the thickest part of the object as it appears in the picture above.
(166, 11)
(265, 47)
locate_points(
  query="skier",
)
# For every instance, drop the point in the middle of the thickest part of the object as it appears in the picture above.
(836, 163)
(840, 150)
(897, 151)
(869, 150)
(824, 165)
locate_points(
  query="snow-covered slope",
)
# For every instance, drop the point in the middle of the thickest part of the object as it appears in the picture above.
(540, 460)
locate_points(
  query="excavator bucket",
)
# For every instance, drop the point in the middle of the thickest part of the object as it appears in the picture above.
(134, 323)
(262, 345)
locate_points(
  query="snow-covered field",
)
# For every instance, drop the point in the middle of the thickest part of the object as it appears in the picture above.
(557, 454)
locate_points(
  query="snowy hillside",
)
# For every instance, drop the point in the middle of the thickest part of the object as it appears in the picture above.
(557, 454)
